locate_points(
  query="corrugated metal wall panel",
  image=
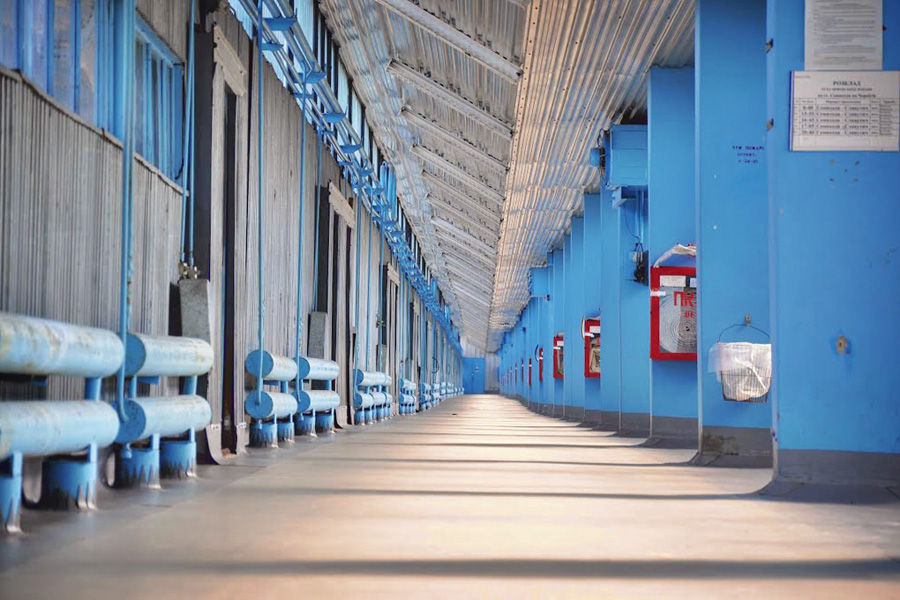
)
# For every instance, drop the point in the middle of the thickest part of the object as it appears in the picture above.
(60, 214)
(168, 18)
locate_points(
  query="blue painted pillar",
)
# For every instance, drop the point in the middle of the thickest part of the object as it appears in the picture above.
(610, 280)
(835, 279)
(671, 220)
(634, 322)
(732, 262)
(591, 299)
(557, 300)
(574, 301)
(546, 343)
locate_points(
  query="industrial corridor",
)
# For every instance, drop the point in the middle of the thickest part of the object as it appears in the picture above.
(478, 498)
(449, 299)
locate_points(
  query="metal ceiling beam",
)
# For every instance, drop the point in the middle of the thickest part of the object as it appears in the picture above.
(475, 298)
(439, 132)
(461, 275)
(455, 38)
(454, 230)
(479, 263)
(491, 229)
(488, 207)
(476, 275)
(454, 100)
(438, 201)
(445, 165)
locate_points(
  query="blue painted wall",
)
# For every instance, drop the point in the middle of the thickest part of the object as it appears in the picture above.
(473, 375)
(732, 234)
(609, 307)
(557, 296)
(546, 342)
(574, 300)
(835, 244)
(591, 269)
(634, 312)
(671, 215)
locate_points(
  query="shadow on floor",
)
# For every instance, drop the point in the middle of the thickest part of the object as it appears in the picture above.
(535, 568)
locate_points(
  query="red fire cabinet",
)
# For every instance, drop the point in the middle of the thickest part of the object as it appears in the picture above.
(558, 356)
(673, 313)
(540, 362)
(590, 331)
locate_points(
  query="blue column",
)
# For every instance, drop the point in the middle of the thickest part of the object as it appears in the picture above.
(574, 301)
(671, 220)
(732, 264)
(546, 343)
(634, 320)
(557, 299)
(591, 301)
(610, 280)
(835, 278)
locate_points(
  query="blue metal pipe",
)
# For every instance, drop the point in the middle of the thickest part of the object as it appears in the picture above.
(164, 416)
(319, 137)
(167, 355)
(125, 66)
(358, 208)
(268, 405)
(318, 369)
(271, 367)
(298, 382)
(46, 427)
(29, 345)
(190, 161)
(370, 378)
(317, 401)
(363, 400)
(260, 64)
(368, 295)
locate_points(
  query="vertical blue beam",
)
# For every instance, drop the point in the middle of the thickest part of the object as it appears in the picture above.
(574, 300)
(591, 298)
(546, 342)
(835, 272)
(634, 320)
(732, 264)
(610, 280)
(671, 220)
(557, 295)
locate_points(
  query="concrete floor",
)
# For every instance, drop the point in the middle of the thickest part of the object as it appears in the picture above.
(479, 498)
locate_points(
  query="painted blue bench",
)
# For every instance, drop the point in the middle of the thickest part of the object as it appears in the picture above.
(407, 398)
(167, 424)
(316, 408)
(67, 433)
(272, 412)
(372, 402)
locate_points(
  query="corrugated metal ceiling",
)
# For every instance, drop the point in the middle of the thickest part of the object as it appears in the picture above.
(441, 82)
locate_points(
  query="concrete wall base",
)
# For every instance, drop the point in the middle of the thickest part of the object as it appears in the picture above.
(679, 428)
(593, 418)
(735, 447)
(559, 410)
(635, 425)
(574, 413)
(838, 467)
(609, 420)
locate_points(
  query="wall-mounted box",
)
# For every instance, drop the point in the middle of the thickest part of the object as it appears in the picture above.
(627, 156)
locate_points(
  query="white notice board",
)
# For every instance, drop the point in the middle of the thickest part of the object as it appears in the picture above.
(843, 35)
(845, 110)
